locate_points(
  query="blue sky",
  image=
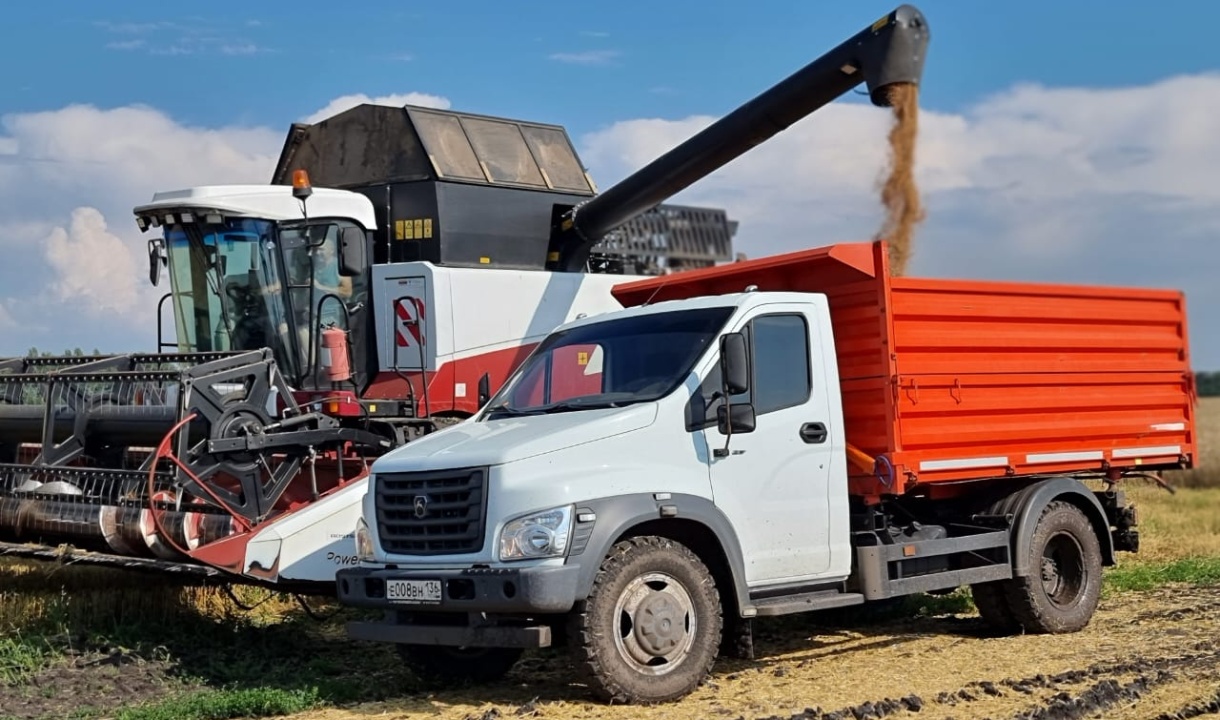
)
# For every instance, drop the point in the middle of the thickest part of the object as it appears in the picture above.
(266, 63)
(1068, 142)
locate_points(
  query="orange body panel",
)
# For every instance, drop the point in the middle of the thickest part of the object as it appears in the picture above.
(953, 380)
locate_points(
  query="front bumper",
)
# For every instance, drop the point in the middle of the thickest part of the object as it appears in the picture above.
(464, 595)
(530, 590)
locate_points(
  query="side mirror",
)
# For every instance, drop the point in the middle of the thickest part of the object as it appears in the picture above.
(156, 258)
(484, 390)
(736, 418)
(352, 246)
(734, 363)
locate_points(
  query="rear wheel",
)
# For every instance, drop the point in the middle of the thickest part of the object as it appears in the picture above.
(651, 628)
(440, 664)
(993, 608)
(1061, 593)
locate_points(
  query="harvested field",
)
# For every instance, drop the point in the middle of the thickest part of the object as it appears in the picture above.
(1144, 654)
(1207, 474)
(76, 645)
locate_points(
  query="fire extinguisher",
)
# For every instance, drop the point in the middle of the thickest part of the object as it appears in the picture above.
(334, 355)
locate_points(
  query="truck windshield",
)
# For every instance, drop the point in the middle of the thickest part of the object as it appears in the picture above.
(611, 363)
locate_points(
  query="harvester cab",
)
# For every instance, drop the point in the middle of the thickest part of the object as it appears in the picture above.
(400, 265)
(249, 268)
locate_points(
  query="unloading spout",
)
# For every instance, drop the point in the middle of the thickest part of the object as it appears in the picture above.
(890, 51)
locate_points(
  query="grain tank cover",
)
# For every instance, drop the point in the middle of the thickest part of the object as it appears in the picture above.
(452, 188)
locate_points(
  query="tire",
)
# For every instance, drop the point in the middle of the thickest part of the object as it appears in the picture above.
(737, 638)
(650, 629)
(993, 608)
(1062, 593)
(439, 664)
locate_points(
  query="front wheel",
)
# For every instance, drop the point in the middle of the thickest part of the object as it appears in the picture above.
(440, 664)
(650, 630)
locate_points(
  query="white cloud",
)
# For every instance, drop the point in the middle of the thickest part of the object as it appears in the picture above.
(240, 49)
(93, 265)
(587, 57)
(348, 102)
(133, 28)
(1076, 185)
(192, 36)
(125, 45)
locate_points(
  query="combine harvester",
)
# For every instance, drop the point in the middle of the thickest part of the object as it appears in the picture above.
(321, 328)
(241, 455)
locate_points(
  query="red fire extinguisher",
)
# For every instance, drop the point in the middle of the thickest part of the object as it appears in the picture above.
(334, 355)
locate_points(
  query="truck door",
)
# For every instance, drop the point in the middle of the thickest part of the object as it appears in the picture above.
(774, 485)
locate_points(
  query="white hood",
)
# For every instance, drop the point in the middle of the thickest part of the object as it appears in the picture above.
(511, 439)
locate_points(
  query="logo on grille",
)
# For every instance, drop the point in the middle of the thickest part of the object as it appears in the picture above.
(421, 506)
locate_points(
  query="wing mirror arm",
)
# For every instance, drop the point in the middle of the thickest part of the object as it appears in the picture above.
(157, 256)
(735, 380)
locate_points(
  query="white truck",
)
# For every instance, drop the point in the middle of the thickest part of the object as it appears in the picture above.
(609, 499)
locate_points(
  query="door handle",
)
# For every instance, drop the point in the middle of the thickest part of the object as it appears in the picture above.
(814, 432)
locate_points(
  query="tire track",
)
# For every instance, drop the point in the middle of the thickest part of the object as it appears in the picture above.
(1147, 655)
(1206, 706)
(1059, 704)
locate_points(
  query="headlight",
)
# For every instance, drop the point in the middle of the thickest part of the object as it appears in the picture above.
(364, 541)
(537, 535)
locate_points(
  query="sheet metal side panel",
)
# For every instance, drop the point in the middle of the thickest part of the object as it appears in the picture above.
(861, 352)
(997, 378)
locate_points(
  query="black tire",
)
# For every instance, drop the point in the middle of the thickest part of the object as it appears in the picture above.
(737, 638)
(1062, 592)
(990, 600)
(618, 656)
(439, 664)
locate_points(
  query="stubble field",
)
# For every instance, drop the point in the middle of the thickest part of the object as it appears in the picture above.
(88, 643)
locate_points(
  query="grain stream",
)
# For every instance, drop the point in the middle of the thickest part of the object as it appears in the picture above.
(899, 191)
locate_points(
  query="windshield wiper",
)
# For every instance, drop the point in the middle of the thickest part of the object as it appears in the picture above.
(505, 410)
(592, 403)
(586, 402)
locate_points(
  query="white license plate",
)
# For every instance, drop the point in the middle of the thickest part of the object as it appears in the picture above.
(413, 591)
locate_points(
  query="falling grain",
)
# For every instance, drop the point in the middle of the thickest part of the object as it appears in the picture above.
(899, 193)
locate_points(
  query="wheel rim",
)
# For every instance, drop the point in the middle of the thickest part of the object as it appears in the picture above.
(656, 624)
(1063, 570)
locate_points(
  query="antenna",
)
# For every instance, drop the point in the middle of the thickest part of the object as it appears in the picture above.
(660, 285)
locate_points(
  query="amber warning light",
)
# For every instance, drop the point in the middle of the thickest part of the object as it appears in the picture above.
(300, 184)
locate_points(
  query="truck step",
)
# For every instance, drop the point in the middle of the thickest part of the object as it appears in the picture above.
(791, 604)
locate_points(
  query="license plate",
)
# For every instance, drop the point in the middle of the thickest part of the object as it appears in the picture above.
(413, 591)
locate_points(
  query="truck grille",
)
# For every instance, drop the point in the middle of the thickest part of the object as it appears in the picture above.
(432, 513)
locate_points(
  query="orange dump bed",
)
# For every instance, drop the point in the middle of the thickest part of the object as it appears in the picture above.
(946, 380)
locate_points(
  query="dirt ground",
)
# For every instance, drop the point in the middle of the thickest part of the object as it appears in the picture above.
(88, 682)
(1146, 655)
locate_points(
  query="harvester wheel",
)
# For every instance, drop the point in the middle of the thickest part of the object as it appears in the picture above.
(438, 664)
(1061, 593)
(650, 629)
